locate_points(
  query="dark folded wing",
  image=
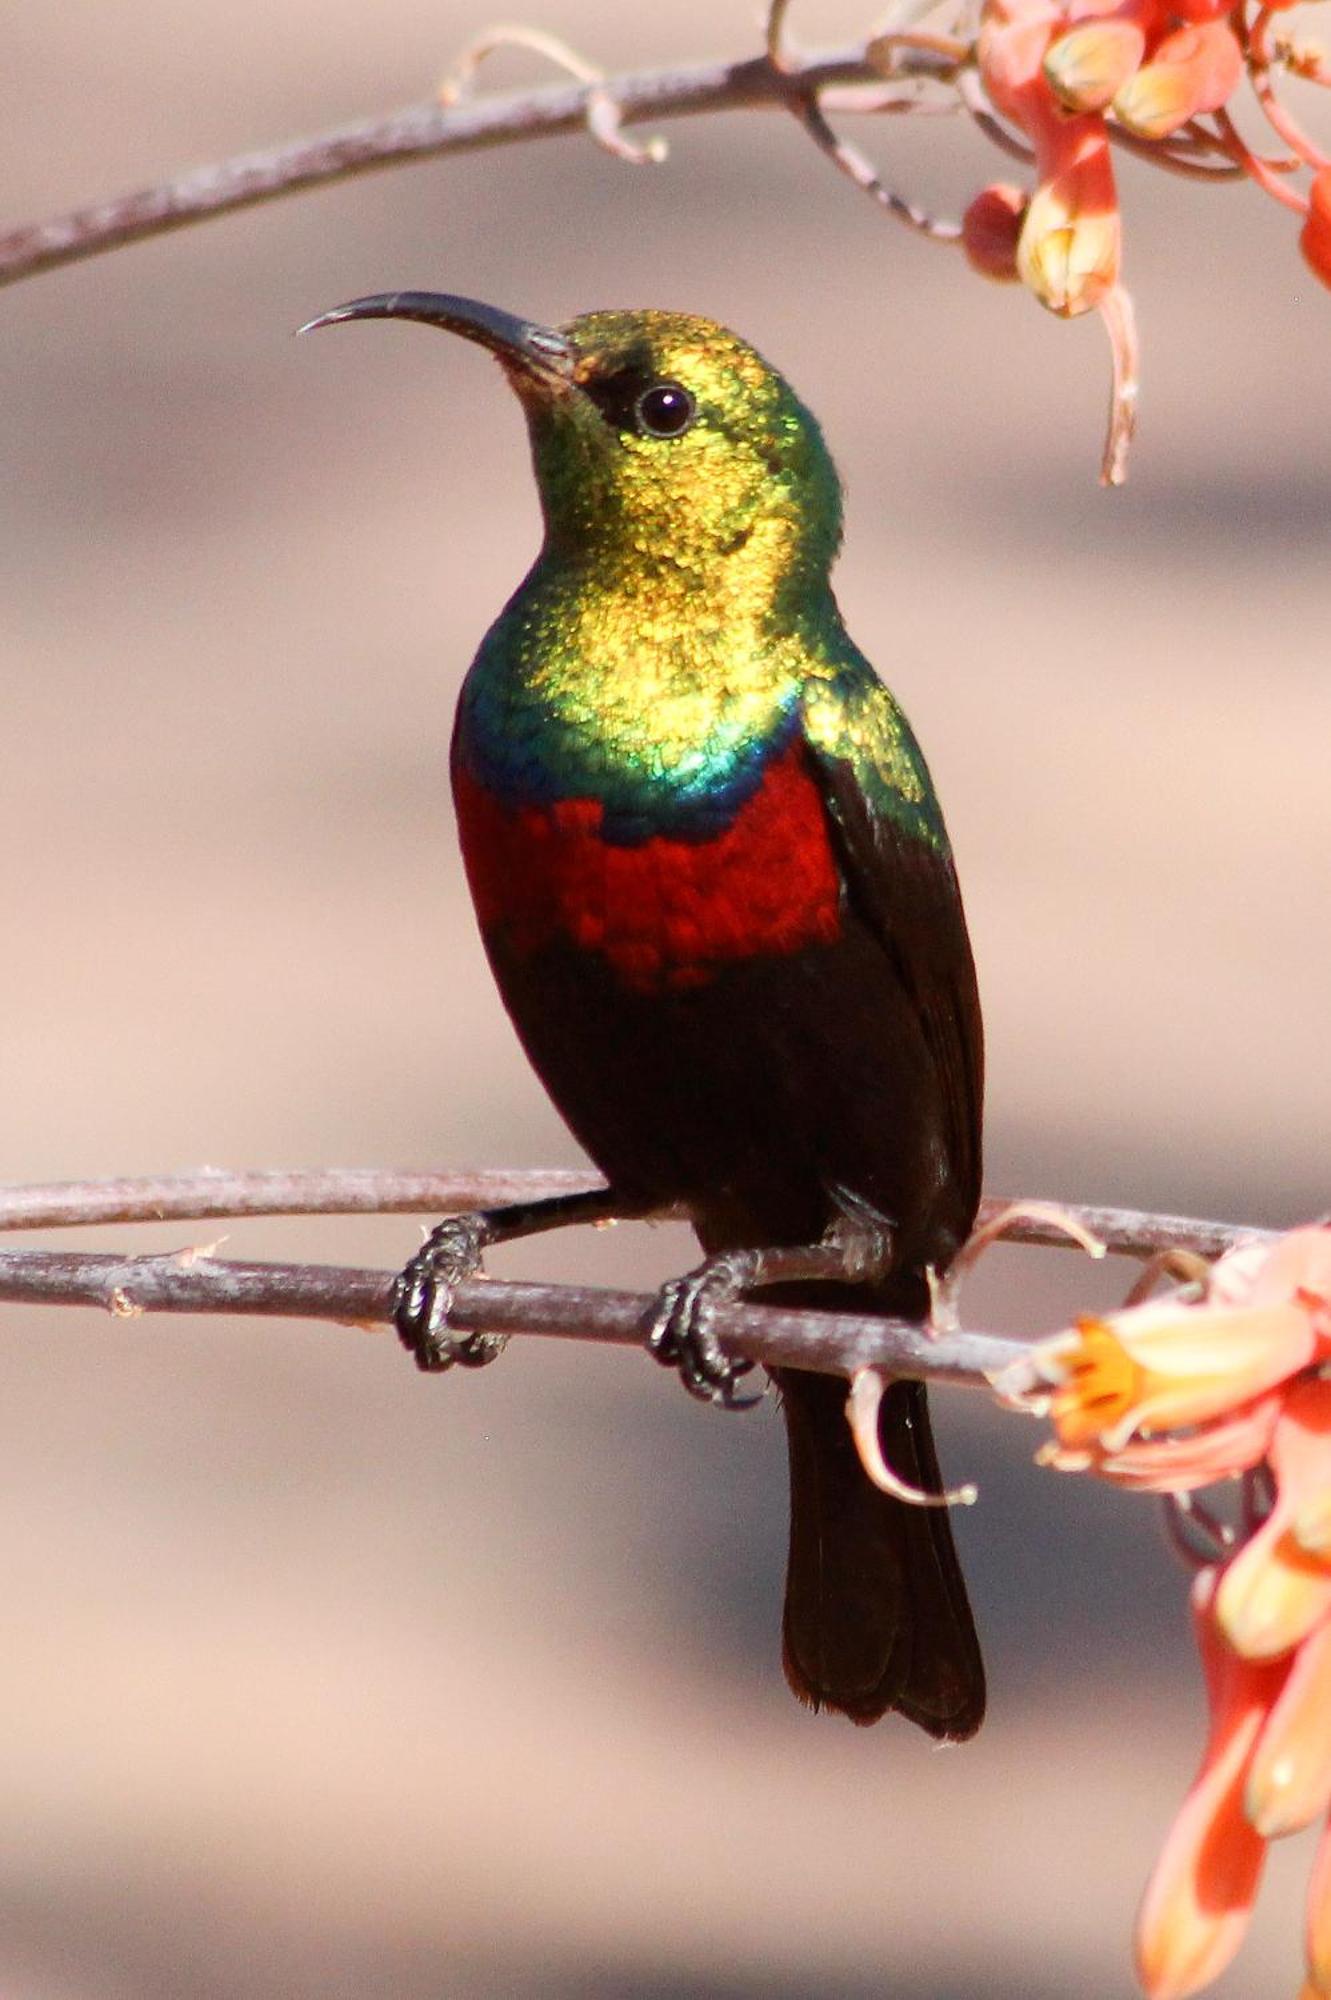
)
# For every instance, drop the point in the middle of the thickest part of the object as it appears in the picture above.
(901, 882)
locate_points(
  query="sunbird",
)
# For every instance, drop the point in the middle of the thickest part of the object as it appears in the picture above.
(713, 882)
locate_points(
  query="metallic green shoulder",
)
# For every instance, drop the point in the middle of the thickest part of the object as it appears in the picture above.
(851, 716)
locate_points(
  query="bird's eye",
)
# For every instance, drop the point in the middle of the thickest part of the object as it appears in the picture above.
(664, 410)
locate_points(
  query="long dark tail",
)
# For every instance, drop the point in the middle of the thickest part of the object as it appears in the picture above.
(876, 1614)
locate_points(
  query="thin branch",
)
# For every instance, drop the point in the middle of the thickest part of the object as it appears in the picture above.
(1130, 1232)
(774, 34)
(861, 172)
(190, 1281)
(1174, 159)
(215, 1194)
(970, 91)
(603, 114)
(428, 131)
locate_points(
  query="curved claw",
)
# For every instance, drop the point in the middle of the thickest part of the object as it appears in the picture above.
(423, 1298)
(681, 1335)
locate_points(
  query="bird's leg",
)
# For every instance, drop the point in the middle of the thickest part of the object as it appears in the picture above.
(451, 1253)
(857, 1248)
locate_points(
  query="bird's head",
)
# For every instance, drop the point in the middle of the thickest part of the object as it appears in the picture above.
(661, 442)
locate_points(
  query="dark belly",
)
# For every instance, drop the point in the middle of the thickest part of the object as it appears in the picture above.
(752, 1097)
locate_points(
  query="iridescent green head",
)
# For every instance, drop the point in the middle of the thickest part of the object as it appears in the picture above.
(657, 438)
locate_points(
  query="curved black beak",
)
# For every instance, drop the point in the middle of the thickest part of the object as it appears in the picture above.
(519, 343)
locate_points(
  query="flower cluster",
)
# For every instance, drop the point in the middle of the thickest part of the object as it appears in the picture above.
(1158, 77)
(1230, 1377)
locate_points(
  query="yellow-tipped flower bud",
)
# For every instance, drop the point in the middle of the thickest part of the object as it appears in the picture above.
(1196, 69)
(1070, 247)
(1088, 66)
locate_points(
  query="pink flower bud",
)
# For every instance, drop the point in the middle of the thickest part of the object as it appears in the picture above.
(989, 231)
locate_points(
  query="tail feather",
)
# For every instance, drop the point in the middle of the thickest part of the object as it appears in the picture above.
(876, 1613)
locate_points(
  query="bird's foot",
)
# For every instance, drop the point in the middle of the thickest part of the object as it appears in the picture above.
(423, 1297)
(681, 1333)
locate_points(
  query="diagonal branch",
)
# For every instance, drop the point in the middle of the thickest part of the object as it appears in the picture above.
(860, 171)
(428, 131)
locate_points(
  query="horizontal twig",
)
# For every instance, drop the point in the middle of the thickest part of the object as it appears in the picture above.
(183, 1282)
(428, 131)
(216, 1194)
(192, 1280)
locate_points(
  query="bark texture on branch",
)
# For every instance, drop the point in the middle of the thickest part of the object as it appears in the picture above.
(217, 1193)
(427, 131)
(194, 1281)
(829, 1343)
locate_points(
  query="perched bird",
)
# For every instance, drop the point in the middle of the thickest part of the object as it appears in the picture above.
(714, 884)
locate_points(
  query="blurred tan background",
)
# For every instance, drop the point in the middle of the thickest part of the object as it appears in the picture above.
(319, 1679)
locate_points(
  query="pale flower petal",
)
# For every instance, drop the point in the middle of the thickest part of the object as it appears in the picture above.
(1297, 1265)
(1182, 1464)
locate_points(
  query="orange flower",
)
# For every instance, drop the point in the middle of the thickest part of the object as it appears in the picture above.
(1167, 1396)
(1160, 75)
(1121, 1388)
(1200, 1895)
(1068, 251)
(1289, 1780)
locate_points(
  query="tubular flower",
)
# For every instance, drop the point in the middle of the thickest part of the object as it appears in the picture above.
(1225, 1378)
(1200, 1895)
(1161, 76)
(1289, 1779)
(1121, 1388)
(1069, 249)
(1068, 253)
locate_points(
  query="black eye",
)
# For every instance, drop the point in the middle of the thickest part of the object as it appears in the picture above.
(664, 410)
